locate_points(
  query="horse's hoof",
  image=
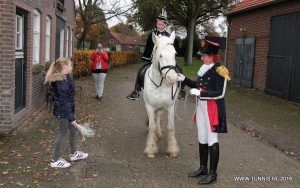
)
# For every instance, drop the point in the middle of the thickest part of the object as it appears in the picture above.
(151, 156)
(174, 155)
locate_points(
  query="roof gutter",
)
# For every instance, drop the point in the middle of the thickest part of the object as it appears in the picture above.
(256, 7)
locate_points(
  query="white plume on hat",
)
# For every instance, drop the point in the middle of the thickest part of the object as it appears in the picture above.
(163, 15)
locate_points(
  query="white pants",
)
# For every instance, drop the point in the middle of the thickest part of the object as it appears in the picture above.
(205, 135)
(99, 82)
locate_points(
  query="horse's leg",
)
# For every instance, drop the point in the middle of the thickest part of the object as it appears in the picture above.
(151, 147)
(173, 148)
(159, 113)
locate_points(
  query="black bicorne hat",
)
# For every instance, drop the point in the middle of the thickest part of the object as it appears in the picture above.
(163, 15)
(209, 48)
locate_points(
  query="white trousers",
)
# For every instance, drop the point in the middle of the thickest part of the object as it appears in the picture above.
(205, 135)
(99, 79)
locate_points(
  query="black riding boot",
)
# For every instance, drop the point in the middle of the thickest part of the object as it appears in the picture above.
(203, 156)
(214, 159)
(139, 82)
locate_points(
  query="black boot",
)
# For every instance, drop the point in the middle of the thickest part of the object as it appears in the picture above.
(203, 156)
(133, 96)
(214, 159)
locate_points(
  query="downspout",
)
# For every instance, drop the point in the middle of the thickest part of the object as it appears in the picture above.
(226, 48)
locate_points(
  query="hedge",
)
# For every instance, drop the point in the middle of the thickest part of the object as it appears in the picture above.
(82, 61)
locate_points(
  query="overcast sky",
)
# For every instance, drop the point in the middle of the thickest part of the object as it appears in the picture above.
(126, 3)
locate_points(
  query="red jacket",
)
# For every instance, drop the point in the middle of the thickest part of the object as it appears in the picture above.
(99, 57)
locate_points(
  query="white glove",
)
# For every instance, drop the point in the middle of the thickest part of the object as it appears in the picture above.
(195, 92)
(181, 77)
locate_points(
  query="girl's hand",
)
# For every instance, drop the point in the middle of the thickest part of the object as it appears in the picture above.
(74, 123)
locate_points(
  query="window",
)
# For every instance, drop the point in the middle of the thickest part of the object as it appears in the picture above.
(36, 37)
(67, 43)
(61, 42)
(19, 33)
(111, 41)
(71, 43)
(47, 44)
(118, 48)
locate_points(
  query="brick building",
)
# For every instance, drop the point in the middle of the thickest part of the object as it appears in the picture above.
(32, 33)
(120, 42)
(263, 46)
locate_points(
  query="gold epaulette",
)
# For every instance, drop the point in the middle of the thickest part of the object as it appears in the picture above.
(222, 70)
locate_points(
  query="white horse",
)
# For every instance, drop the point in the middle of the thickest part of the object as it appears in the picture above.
(160, 92)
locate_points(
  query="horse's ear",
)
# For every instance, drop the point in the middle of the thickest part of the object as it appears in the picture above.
(172, 36)
(154, 39)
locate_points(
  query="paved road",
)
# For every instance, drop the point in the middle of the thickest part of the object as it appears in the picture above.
(116, 152)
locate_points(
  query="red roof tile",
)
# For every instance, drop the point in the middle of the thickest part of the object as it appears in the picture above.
(128, 40)
(249, 4)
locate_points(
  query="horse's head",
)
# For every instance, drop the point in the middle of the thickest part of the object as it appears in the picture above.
(164, 57)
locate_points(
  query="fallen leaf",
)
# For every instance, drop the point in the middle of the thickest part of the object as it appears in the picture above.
(20, 184)
(5, 172)
(37, 175)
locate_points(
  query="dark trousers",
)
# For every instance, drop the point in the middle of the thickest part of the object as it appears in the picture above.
(64, 125)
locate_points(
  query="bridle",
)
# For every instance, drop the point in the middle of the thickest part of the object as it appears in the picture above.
(169, 67)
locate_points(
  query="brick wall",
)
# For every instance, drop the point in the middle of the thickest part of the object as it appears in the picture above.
(7, 52)
(257, 24)
(35, 90)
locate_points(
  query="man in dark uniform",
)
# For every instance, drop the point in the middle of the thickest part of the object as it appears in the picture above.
(161, 24)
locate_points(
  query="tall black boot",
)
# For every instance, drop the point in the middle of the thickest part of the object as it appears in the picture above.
(203, 157)
(214, 159)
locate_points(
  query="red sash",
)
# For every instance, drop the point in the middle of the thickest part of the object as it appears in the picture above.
(212, 110)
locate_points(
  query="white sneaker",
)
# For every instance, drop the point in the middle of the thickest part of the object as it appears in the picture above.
(78, 155)
(60, 163)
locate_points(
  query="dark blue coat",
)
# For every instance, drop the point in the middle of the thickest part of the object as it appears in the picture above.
(64, 93)
(215, 86)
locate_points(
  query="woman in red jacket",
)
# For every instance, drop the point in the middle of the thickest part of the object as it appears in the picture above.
(99, 69)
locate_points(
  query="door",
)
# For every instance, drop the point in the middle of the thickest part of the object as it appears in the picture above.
(283, 77)
(20, 61)
(244, 60)
(295, 81)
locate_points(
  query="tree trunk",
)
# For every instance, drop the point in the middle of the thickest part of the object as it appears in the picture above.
(79, 43)
(190, 37)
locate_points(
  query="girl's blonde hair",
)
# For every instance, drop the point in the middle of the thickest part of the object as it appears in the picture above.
(56, 67)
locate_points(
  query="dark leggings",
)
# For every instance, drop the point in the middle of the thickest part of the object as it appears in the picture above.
(64, 125)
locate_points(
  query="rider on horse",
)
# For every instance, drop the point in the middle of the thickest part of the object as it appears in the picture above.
(161, 23)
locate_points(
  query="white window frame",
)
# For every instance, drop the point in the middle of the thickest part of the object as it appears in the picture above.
(48, 39)
(19, 32)
(118, 48)
(67, 42)
(36, 37)
(61, 42)
(71, 43)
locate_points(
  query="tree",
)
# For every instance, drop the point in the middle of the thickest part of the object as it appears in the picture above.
(95, 33)
(186, 13)
(125, 29)
(89, 12)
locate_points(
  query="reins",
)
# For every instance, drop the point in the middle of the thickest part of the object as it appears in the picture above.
(169, 67)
